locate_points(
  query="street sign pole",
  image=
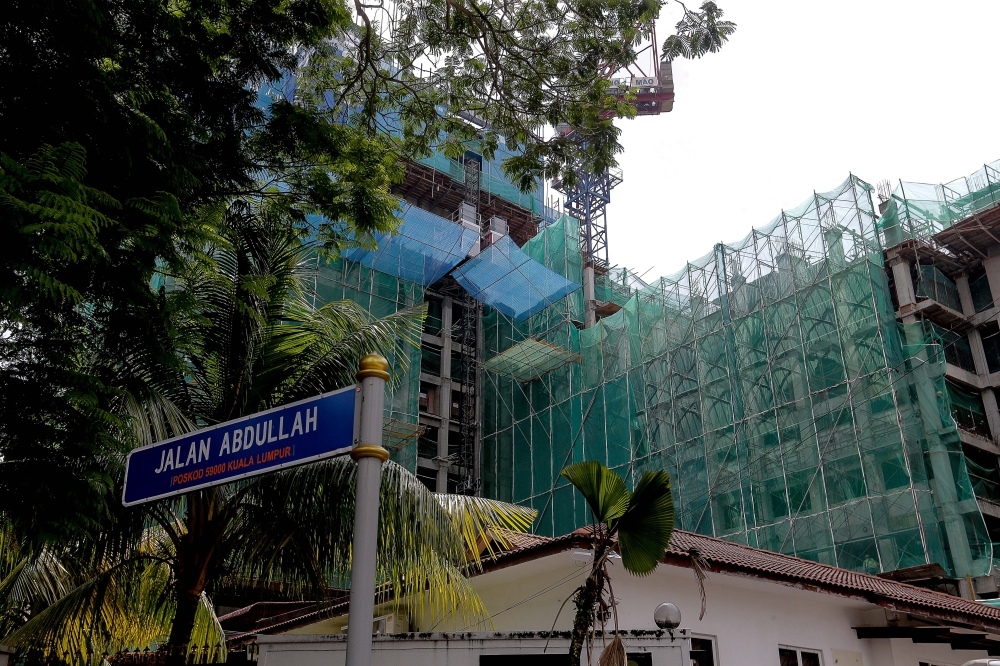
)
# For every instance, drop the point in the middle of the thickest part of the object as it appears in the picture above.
(369, 454)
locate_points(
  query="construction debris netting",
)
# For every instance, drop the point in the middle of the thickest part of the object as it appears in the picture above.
(920, 210)
(423, 250)
(504, 277)
(381, 295)
(491, 179)
(529, 359)
(769, 378)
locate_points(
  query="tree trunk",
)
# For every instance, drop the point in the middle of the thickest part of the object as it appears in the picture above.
(183, 625)
(197, 552)
(586, 603)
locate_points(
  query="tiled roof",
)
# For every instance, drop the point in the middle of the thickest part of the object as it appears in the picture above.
(517, 540)
(248, 615)
(728, 557)
(722, 557)
(241, 626)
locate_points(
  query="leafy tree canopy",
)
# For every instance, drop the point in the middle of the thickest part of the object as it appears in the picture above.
(130, 126)
(446, 73)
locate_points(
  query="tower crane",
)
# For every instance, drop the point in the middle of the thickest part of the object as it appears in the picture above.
(586, 200)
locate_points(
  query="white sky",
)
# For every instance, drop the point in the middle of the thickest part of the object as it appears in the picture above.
(803, 94)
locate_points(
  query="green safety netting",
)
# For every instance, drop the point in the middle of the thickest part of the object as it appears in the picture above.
(529, 359)
(491, 180)
(985, 479)
(932, 283)
(957, 349)
(967, 409)
(769, 377)
(982, 296)
(920, 210)
(381, 294)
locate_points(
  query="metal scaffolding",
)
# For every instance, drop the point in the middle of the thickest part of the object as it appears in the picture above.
(769, 378)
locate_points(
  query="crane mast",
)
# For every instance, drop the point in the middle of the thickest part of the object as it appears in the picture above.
(588, 197)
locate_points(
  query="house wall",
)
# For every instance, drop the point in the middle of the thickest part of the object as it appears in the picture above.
(439, 649)
(749, 618)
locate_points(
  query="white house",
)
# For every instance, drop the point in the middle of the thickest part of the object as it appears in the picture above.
(763, 609)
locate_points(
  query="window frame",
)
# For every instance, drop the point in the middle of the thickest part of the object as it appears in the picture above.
(715, 646)
(798, 652)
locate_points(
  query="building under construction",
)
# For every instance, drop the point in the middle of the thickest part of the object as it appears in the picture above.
(824, 387)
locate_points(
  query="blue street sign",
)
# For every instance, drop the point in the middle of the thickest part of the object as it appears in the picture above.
(294, 434)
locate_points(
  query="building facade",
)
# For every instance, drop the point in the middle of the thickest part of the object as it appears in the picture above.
(822, 388)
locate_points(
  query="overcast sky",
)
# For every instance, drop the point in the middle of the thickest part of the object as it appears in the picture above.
(803, 94)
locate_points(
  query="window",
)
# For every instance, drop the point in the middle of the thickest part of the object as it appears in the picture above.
(454, 442)
(428, 398)
(702, 651)
(430, 360)
(456, 366)
(427, 444)
(428, 477)
(432, 323)
(789, 656)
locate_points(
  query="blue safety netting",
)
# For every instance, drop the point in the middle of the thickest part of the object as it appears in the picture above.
(506, 278)
(424, 249)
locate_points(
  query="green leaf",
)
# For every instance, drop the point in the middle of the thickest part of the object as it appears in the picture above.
(604, 490)
(123, 607)
(645, 528)
(294, 531)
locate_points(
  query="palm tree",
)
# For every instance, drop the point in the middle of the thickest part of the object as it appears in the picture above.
(28, 580)
(63, 605)
(636, 524)
(247, 338)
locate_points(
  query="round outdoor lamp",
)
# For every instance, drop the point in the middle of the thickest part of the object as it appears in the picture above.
(667, 616)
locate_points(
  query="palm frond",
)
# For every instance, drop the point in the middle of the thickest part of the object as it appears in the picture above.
(153, 416)
(126, 607)
(603, 489)
(322, 351)
(644, 530)
(30, 581)
(98, 617)
(41, 579)
(482, 521)
(208, 638)
(297, 527)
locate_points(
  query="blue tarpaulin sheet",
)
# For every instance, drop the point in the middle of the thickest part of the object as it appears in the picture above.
(425, 249)
(506, 278)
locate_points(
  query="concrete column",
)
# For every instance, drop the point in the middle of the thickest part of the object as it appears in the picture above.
(978, 353)
(992, 411)
(992, 266)
(965, 295)
(939, 457)
(369, 454)
(905, 293)
(979, 358)
(590, 316)
(444, 397)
